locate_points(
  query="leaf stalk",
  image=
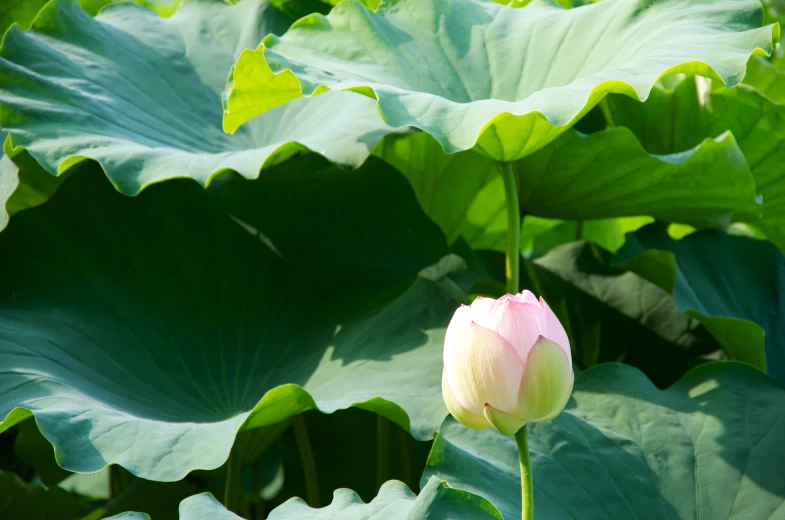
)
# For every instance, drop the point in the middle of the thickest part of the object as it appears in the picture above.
(306, 456)
(512, 265)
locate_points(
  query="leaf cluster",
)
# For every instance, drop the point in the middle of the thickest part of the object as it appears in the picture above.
(227, 298)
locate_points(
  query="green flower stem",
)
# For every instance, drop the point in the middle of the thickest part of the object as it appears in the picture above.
(233, 486)
(513, 228)
(382, 449)
(306, 455)
(527, 487)
(610, 122)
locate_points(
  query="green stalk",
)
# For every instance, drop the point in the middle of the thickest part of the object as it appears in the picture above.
(527, 488)
(306, 456)
(382, 450)
(513, 229)
(610, 122)
(233, 486)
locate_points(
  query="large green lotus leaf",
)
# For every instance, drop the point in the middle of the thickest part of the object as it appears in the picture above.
(613, 314)
(146, 331)
(446, 66)
(436, 501)
(141, 95)
(733, 285)
(21, 501)
(597, 176)
(609, 174)
(676, 120)
(23, 11)
(709, 447)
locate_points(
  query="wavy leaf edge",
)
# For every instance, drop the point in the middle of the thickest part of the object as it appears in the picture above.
(281, 152)
(594, 96)
(296, 400)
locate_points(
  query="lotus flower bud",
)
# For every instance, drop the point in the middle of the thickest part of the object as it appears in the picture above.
(507, 362)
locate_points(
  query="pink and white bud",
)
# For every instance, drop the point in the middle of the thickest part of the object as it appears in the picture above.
(507, 362)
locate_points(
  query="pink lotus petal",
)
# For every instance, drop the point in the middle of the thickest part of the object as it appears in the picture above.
(482, 368)
(519, 323)
(554, 330)
(526, 296)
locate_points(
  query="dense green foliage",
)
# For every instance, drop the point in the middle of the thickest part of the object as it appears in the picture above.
(216, 349)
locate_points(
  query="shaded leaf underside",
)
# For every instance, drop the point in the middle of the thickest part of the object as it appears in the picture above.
(146, 331)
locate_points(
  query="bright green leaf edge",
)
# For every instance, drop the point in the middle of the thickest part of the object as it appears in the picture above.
(158, 143)
(277, 404)
(395, 501)
(680, 116)
(298, 64)
(436, 501)
(603, 175)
